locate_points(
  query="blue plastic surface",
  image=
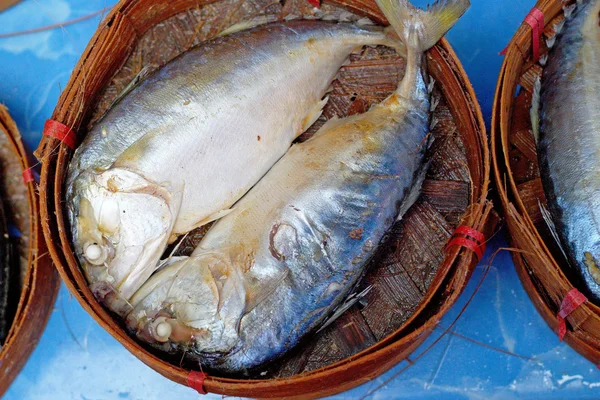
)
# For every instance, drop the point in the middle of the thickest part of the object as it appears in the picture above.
(500, 347)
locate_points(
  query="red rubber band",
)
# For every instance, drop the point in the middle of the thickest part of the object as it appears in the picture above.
(471, 239)
(535, 19)
(61, 132)
(465, 230)
(195, 380)
(315, 3)
(572, 300)
(28, 176)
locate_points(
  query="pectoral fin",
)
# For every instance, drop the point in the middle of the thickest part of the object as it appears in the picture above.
(213, 217)
(256, 294)
(313, 115)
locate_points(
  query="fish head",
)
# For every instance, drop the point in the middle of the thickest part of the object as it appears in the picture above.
(193, 303)
(121, 224)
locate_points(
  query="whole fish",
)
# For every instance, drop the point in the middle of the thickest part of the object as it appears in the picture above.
(569, 140)
(179, 149)
(297, 243)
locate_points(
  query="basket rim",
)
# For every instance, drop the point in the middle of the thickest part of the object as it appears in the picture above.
(463, 259)
(519, 49)
(41, 281)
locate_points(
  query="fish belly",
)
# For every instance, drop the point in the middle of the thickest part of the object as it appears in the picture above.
(316, 219)
(212, 122)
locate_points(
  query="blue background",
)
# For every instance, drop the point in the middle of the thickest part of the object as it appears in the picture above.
(500, 347)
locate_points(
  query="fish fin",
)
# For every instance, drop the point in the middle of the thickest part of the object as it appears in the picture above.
(342, 308)
(131, 85)
(313, 115)
(435, 101)
(345, 16)
(568, 10)
(544, 60)
(413, 193)
(433, 123)
(421, 29)
(558, 27)
(534, 111)
(430, 85)
(291, 17)
(330, 124)
(245, 25)
(364, 22)
(550, 41)
(394, 41)
(548, 219)
(213, 217)
(256, 295)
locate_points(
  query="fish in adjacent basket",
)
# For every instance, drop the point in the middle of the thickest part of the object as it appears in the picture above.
(190, 140)
(297, 243)
(569, 139)
(8, 275)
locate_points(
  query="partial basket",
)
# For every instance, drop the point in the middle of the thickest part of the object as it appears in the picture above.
(38, 281)
(415, 278)
(537, 256)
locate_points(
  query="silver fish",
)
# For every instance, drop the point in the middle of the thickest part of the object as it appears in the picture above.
(297, 243)
(569, 140)
(189, 141)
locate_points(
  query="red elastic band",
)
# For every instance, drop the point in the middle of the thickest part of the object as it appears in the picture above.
(572, 300)
(61, 132)
(195, 380)
(315, 3)
(28, 176)
(535, 19)
(471, 239)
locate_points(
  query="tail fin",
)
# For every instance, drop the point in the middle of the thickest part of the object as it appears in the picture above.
(421, 29)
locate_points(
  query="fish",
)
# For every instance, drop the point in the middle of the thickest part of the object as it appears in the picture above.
(8, 279)
(298, 242)
(189, 140)
(566, 120)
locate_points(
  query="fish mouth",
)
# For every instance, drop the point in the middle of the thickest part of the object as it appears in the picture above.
(164, 328)
(120, 224)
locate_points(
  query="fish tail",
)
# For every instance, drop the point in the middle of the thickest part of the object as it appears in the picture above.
(421, 29)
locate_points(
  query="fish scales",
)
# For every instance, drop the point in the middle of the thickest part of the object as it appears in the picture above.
(297, 243)
(569, 145)
(191, 139)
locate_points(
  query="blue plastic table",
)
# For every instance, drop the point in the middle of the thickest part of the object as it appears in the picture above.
(499, 347)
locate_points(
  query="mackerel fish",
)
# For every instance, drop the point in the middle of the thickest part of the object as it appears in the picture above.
(183, 146)
(297, 243)
(569, 140)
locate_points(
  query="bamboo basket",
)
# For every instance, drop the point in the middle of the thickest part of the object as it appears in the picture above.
(4, 4)
(39, 280)
(538, 259)
(415, 281)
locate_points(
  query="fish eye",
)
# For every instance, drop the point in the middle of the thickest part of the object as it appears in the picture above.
(161, 329)
(95, 253)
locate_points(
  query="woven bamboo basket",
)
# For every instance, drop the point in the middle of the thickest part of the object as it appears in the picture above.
(38, 279)
(538, 258)
(415, 280)
(4, 4)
